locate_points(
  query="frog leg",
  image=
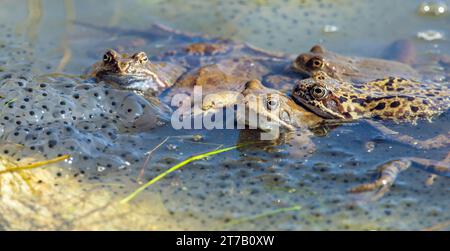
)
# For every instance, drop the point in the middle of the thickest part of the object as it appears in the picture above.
(432, 177)
(439, 141)
(388, 174)
(390, 170)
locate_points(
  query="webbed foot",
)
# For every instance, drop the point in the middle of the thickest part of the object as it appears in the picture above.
(388, 173)
(390, 170)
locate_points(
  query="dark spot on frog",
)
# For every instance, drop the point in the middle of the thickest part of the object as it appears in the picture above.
(347, 115)
(395, 104)
(359, 101)
(342, 99)
(380, 106)
(414, 108)
(390, 82)
(410, 98)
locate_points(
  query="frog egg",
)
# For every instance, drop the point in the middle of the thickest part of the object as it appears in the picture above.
(53, 116)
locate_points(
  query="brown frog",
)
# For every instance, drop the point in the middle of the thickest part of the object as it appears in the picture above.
(227, 74)
(136, 72)
(352, 69)
(276, 116)
(213, 63)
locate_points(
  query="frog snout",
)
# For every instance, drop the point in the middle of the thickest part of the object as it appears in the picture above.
(123, 66)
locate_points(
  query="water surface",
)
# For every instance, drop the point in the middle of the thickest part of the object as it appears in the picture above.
(43, 37)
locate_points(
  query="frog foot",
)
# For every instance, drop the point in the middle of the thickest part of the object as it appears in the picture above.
(390, 170)
(388, 173)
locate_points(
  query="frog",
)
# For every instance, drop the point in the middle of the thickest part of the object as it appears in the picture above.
(188, 60)
(397, 99)
(136, 72)
(392, 98)
(229, 74)
(272, 115)
(351, 68)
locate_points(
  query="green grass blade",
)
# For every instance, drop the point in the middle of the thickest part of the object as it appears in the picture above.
(10, 101)
(177, 166)
(35, 165)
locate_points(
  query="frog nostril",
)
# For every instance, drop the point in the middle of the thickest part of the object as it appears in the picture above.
(123, 66)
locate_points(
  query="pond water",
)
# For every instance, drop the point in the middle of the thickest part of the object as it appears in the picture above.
(47, 45)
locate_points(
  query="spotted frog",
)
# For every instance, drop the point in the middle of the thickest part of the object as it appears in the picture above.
(396, 99)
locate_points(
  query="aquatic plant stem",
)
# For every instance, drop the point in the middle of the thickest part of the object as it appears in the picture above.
(177, 166)
(34, 165)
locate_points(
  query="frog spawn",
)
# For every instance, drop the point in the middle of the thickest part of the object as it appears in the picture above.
(92, 122)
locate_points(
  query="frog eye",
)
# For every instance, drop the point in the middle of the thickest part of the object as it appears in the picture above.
(108, 57)
(272, 104)
(319, 92)
(315, 63)
(141, 57)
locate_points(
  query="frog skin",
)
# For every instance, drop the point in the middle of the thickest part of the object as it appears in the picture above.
(396, 99)
(228, 74)
(351, 68)
(136, 72)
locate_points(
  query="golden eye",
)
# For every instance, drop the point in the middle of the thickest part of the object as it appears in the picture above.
(319, 92)
(315, 63)
(108, 57)
(272, 104)
(144, 59)
(141, 57)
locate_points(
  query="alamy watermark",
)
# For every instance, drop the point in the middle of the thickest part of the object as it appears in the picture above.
(220, 111)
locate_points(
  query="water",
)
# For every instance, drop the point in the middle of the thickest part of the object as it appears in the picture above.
(43, 37)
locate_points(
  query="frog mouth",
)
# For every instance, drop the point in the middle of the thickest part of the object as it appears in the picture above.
(131, 82)
(316, 110)
(270, 122)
